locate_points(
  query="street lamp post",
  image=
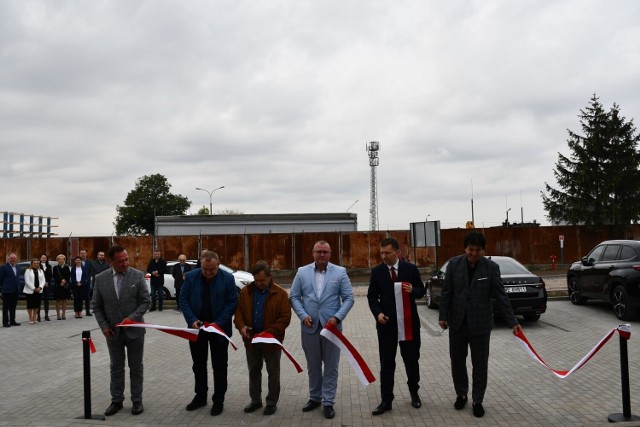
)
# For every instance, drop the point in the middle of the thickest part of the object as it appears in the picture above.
(507, 221)
(210, 193)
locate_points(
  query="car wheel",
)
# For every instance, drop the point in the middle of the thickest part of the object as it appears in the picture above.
(621, 306)
(166, 294)
(531, 317)
(573, 287)
(429, 297)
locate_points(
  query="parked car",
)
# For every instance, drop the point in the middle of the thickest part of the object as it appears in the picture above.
(611, 272)
(242, 278)
(527, 292)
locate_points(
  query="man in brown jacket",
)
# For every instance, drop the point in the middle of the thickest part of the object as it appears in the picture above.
(263, 306)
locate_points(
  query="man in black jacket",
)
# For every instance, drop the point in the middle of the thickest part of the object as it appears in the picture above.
(393, 284)
(156, 268)
(178, 272)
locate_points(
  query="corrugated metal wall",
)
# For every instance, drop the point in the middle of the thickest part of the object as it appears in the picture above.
(288, 251)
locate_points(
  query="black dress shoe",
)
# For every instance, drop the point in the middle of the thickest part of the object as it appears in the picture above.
(461, 401)
(15, 324)
(329, 412)
(311, 405)
(6, 325)
(113, 409)
(89, 314)
(478, 410)
(252, 407)
(217, 408)
(152, 309)
(47, 318)
(415, 401)
(382, 408)
(197, 402)
(270, 409)
(137, 408)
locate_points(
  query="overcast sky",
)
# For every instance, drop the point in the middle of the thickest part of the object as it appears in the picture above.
(276, 100)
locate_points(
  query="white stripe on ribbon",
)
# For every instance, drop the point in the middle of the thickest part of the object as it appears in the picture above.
(521, 339)
(333, 334)
(403, 313)
(187, 333)
(267, 338)
(212, 327)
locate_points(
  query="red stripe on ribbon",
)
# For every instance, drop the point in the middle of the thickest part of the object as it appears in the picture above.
(406, 308)
(92, 346)
(218, 330)
(267, 338)
(332, 333)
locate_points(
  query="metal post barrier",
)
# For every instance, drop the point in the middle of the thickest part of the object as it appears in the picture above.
(86, 359)
(626, 394)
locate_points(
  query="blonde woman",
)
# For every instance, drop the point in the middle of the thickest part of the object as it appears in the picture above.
(33, 284)
(61, 278)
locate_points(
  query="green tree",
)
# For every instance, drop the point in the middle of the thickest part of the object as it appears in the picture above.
(150, 197)
(203, 211)
(599, 183)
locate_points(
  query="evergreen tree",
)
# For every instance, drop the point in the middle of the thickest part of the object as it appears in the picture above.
(599, 183)
(150, 198)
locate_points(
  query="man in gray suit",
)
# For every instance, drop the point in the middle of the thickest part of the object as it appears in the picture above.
(321, 292)
(470, 281)
(120, 293)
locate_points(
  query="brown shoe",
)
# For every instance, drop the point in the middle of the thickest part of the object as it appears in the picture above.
(113, 409)
(137, 408)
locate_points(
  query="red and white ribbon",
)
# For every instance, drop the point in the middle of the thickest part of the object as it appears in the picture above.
(333, 334)
(403, 313)
(212, 327)
(92, 346)
(187, 333)
(267, 338)
(521, 339)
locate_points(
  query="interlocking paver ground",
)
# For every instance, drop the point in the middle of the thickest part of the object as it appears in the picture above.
(42, 381)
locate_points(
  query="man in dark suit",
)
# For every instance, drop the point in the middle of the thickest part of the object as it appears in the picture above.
(383, 303)
(471, 280)
(9, 290)
(119, 293)
(156, 268)
(87, 266)
(178, 273)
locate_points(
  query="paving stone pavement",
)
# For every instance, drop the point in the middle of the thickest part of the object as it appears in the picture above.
(42, 381)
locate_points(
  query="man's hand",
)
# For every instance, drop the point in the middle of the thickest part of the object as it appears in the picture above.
(333, 320)
(382, 319)
(246, 332)
(308, 321)
(443, 324)
(108, 333)
(196, 324)
(516, 328)
(407, 287)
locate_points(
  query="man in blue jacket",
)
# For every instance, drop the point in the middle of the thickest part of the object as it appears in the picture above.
(209, 295)
(9, 289)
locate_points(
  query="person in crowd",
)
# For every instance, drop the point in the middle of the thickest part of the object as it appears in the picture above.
(321, 292)
(198, 265)
(61, 279)
(121, 293)
(383, 305)
(87, 265)
(209, 295)
(46, 288)
(263, 306)
(471, 282)
(78, 283)
(156, 268)
(179, 271)
(99, 265)
(9, 289)
(33, 283)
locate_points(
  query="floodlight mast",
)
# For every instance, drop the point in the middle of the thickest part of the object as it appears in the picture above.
(372, 149)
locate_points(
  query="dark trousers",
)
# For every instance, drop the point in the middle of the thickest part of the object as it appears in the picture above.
(255, 358)
(135, 351)
(388, 348)
(157, 292)
(9, 304)
(46, 293)
(460, 341)
(178, 297)
(87, 298)
(219, 358)
(78, 297)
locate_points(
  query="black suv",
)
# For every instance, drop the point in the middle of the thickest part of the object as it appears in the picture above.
(610, 272)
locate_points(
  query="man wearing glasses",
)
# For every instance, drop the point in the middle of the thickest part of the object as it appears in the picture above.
(321, 292)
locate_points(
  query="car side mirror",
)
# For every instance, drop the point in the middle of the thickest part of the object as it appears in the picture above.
(587, 262)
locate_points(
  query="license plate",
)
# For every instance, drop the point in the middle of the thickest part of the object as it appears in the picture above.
(515, 289)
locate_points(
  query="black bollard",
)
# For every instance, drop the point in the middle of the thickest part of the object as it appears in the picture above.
(626, 394)
(86, 361)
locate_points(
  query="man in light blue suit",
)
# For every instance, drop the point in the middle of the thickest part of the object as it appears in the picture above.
(321, 292)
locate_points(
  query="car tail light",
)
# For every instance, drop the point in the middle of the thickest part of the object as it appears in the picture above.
(636, 267)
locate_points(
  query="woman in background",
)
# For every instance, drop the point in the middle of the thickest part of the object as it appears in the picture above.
(79, 282)
(33, 283)
(61, 277)
(46, 289)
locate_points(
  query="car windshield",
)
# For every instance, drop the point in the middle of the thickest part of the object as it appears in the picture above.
(510, 266)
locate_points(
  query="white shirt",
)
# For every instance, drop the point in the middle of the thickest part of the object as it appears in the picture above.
(394, 266)
(320, 276)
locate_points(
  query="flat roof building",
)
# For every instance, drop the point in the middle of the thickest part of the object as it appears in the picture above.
(187, 225)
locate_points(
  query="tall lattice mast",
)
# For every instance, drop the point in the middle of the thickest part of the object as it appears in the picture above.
(372, 149)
